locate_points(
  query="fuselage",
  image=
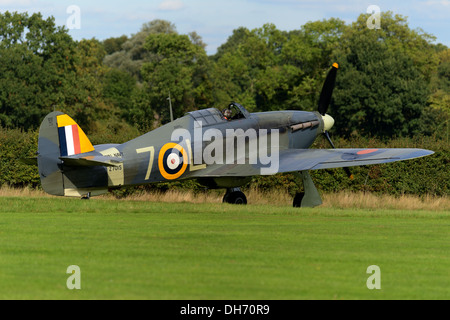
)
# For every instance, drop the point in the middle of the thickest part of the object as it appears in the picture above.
(180, 149)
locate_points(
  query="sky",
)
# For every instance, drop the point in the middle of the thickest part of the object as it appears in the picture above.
(215, 20)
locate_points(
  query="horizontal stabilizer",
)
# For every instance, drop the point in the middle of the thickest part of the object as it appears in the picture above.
(91, 161)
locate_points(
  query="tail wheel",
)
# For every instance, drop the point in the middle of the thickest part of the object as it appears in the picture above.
(86, 196)
(235, 197)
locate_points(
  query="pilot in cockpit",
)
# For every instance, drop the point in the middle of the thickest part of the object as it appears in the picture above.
(233, 112)
(227, 113)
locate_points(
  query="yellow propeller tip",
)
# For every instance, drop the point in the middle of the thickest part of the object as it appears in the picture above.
(336, 65)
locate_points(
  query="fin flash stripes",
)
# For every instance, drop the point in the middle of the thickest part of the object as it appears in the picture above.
(72, 139)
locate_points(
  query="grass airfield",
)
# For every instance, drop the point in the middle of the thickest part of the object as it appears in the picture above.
(184, 251)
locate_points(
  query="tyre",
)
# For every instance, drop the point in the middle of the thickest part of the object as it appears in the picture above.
(235, 197)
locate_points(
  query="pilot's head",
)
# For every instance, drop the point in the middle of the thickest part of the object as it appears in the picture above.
(227, 114)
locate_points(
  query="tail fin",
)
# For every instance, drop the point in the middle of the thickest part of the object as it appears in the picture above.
(59, 136)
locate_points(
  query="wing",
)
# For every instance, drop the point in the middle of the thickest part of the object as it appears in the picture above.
(291, 160)
(313, 159)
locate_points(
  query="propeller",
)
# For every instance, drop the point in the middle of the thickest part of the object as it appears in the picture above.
(324, 103)
(327, 90)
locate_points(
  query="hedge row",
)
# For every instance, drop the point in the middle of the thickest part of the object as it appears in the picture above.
(15, 145)
(429, 175)
(424, 176)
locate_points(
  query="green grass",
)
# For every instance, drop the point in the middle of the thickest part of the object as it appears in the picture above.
(143, 250)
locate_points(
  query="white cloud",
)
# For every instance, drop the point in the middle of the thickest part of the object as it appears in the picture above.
(171, 5)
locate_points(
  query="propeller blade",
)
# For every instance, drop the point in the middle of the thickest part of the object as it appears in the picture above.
(327, 90)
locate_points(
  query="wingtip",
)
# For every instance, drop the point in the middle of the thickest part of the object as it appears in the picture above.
(424, 152)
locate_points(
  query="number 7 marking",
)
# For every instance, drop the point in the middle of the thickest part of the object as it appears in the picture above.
(150, 163)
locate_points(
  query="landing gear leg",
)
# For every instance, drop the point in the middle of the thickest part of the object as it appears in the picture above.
(311, 197)
(235, 196)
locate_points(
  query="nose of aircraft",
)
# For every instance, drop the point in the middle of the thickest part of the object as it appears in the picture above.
(328, 122)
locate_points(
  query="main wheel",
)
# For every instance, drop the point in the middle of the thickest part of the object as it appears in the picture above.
(298, 199)
(235, 197)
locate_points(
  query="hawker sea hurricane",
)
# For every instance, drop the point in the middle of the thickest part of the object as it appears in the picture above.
(219, 148)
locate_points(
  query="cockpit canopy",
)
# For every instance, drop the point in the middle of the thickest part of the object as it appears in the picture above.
(212, 116)
(235, 112)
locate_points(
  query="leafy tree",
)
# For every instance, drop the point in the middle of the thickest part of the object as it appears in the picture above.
(113, 45)
(83, 88)
(382, 90)
(248, 70)
(440, 82)
(439, 100)
(239, 37)
(133, 54)
(43, 69)
(162, 62)
(35, 57)
(177, 68)
(117, 88)
(310, 49)
(268, 69)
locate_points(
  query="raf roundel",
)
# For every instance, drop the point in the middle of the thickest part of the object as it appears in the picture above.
(172, 161)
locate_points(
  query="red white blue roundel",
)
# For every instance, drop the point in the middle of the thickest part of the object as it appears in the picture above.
(172, 161)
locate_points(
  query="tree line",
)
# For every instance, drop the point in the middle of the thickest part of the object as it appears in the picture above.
(393, 81)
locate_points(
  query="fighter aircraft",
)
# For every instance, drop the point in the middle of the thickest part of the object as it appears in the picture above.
(219, 148)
